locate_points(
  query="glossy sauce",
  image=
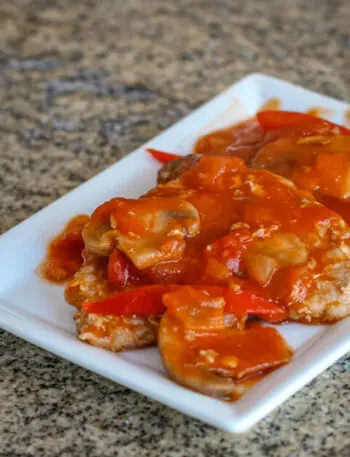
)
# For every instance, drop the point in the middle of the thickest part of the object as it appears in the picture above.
(341, 207)
(201, 352)
(290, 156)
(220, 188)
(223, 192)
(202, 187)
(64, 254)
(241, 140)
(257, 211)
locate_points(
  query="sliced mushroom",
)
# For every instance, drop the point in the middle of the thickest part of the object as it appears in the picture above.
(98, 235)
(152, 230)
(281, 152)
(147, 251)
(204, 351)
(172, 347)
(100, 242)
(155, 215)
(215, 363)
(148, 230)
(286, 248)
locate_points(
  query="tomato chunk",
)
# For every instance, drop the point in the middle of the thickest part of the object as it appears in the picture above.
(121, 271)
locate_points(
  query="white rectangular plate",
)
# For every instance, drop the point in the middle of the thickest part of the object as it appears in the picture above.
(37, 312)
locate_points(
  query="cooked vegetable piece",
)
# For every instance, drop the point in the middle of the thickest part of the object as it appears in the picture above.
(286, 248)
(145, 300)
(333, 172)
(243, 302)
(121, 271)
(199, 350)
(173, 169)
(147, 230)
(150, 300)
(261, 267)
(117, 269)
(99, 237)
(318, 163)
(161, 156)
(272, 254)
(274, 120)
(152, 230)
(199, 309)
(225, 257)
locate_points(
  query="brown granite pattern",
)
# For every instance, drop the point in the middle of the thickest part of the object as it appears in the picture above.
(82, 83)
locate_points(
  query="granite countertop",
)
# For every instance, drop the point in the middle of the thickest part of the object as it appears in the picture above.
(83, 83)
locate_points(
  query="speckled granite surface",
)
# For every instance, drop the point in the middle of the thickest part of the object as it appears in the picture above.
(82, 83)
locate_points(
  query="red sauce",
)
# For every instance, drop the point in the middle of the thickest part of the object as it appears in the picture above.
(341, 207)
(216, 220)
(185, 232)
(241, 140)
(201, 258)
(198, 347)
(64, 254)
(318, 163)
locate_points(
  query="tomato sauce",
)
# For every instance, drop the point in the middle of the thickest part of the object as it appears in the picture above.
(341, 207)
(241, 140)
(255, 210)
(319, 163)
(64, 254)
(198, 346)
(219, 224)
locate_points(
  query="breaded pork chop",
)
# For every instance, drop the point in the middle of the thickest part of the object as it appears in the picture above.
(220, 223)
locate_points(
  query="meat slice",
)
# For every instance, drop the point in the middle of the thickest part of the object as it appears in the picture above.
(175, 168)
(240, 227)
(117, 333)
(89, 282)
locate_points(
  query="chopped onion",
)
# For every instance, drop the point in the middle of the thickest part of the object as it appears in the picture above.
(261, 267)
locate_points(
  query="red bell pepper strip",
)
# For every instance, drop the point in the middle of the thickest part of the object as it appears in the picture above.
(121, 272)
(145, 300)
(275, 120)
(117, 271)
(161, 156)
(149, 300)
(245, 302)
